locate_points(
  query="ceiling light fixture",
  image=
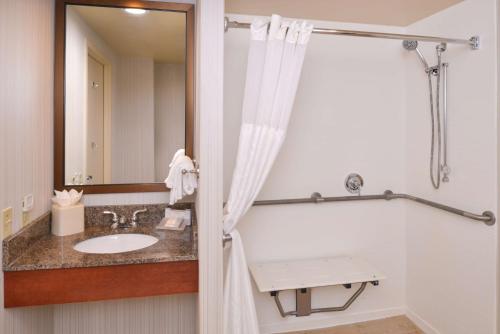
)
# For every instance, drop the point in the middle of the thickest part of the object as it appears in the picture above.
(135, 11)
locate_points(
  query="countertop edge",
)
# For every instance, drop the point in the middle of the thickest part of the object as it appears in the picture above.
(13, 268)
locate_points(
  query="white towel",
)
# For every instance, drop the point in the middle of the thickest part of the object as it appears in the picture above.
(181, 184)
(180, 152)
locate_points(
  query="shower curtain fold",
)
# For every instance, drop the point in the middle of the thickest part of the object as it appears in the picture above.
(274, 64)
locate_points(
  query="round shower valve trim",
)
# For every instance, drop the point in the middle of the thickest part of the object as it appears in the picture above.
(354, 183)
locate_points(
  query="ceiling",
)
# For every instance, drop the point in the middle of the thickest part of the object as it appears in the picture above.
(383, 12)
(156, 34)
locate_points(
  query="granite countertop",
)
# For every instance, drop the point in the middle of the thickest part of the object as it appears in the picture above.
(35, 248)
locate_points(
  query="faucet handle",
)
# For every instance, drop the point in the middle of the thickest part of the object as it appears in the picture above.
(134, 215)
(115, 216)
(115, 219)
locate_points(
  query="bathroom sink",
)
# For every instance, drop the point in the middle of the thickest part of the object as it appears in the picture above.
(116, 243)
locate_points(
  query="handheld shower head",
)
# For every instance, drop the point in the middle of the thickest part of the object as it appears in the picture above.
(413, 46)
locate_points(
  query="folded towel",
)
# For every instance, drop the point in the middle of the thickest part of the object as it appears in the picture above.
(185, 215)
(175, 224)
(181, 184)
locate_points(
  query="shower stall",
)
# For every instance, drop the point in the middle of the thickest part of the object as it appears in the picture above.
(369, 105)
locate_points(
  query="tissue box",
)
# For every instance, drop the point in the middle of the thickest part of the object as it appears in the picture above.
(67, 220)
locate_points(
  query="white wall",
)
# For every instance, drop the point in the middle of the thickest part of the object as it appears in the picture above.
(348, 117)
(26, 109)
(451, 280)
(169, 115)
(132, 141)
(208, 150)
(498, 159)
(79, 37)
(75, 96)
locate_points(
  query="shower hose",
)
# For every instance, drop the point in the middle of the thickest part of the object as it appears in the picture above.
(435, 173)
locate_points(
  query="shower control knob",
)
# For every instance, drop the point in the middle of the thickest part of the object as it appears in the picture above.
(354, 183)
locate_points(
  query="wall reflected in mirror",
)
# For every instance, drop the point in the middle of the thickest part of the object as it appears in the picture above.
(124, 94)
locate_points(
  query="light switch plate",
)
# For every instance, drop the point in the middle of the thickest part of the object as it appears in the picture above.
(28, 203)
(6, 222)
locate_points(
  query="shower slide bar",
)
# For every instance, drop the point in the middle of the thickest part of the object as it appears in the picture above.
(473, 42)
(487, 217)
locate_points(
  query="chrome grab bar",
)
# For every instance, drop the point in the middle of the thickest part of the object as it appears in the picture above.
(487, 217)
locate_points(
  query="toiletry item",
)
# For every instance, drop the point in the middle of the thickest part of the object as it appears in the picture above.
(183, 214)
(175, 224)
(67, 198)
(67, 213)
(67, 220)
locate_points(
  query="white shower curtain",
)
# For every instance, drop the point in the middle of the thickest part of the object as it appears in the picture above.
(273, 71)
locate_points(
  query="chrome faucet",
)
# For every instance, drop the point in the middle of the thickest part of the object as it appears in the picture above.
(121, 222)
(135, 220)
(116, 221)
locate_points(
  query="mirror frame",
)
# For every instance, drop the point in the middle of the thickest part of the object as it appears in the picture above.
(59, 88)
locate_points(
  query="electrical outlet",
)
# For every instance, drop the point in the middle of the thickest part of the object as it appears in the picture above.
(27, 206)
(7, 222)
(26, 218)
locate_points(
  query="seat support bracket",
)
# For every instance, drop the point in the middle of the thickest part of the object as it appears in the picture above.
(303, 301)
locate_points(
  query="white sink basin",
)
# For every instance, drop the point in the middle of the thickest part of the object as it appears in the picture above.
(116, 243)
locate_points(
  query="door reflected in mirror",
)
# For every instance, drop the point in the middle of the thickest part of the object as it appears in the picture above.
(125, 94)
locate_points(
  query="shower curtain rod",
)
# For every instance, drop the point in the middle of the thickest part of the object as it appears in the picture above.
(473, 42)
(487, 217)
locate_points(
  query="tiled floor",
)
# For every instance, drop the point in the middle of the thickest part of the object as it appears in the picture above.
(394, 325)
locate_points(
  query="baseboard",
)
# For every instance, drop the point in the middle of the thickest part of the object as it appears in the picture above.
(320, 321)
(421, 323)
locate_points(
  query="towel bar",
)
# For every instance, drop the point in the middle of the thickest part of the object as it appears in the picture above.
(193, 171)
(196, 169)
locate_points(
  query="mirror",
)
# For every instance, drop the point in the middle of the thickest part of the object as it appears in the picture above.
(127, 101)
